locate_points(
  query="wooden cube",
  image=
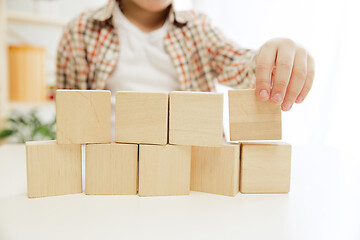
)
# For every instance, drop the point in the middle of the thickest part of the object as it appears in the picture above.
(216, 169)
(141, 117)
(164, 170)
(111, 169)
(265, 167)
(83, 116)
(252, 119)
(53, 169)
(196, 118)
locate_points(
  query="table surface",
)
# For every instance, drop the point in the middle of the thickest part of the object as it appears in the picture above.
(324, 203)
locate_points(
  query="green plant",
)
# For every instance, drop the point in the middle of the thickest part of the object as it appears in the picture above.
(22, 127)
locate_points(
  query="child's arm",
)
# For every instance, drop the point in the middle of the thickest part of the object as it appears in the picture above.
(281, 70)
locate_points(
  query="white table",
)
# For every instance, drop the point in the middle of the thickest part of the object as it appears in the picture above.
(324, 203)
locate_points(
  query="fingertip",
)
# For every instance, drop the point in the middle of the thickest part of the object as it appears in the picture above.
(286, 106)
(299, 99)
(285, 109)
(263, 95)
(277, 98)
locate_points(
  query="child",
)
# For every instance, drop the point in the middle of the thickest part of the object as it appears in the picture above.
(144, 45)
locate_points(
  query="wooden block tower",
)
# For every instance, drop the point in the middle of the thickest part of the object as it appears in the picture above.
(165, 144)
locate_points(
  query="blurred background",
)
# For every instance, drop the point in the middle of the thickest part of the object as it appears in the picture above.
(30, 31)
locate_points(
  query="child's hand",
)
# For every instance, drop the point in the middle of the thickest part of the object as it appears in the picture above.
(284, 72)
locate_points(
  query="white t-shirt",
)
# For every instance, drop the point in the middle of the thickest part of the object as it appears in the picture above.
(144, 64)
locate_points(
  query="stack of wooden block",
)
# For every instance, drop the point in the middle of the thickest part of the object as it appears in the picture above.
(165, 144)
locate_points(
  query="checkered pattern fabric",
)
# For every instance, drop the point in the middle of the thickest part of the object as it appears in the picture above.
(89, 49)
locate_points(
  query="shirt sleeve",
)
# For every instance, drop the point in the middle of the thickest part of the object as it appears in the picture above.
(71, 64)
(233, 66)
(64, 61)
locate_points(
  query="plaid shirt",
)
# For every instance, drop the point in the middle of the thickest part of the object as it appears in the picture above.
(89, 50)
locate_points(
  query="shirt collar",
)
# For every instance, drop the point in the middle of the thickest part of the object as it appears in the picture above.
(106, 13)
